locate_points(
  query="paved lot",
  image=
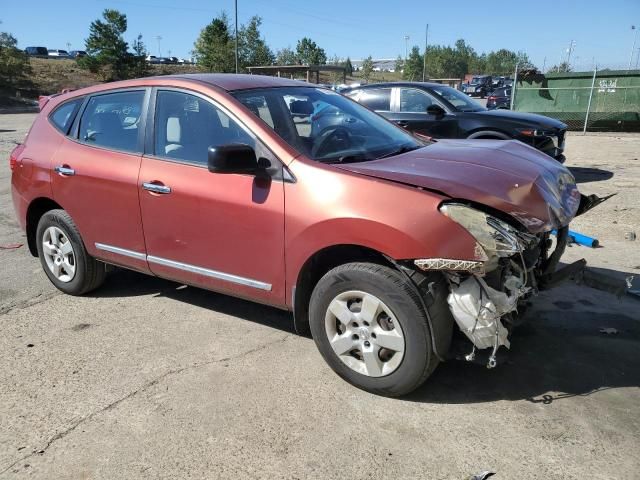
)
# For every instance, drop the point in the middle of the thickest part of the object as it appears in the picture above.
(148, 379)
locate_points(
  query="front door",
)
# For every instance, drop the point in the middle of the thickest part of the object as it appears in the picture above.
(219, 231)
(95, 176)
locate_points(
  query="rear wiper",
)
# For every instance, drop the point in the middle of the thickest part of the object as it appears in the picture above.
(404, 149)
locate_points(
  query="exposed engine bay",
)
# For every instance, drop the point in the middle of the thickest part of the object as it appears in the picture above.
(486, 296)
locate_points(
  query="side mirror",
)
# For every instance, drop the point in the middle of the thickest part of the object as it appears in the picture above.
(435, 110)
(233, 158)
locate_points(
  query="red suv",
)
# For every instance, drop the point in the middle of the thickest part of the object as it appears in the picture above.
(294, 196)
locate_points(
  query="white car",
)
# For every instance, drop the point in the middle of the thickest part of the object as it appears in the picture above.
(58, 53)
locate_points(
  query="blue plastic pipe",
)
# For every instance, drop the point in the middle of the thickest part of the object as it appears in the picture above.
(581, 239)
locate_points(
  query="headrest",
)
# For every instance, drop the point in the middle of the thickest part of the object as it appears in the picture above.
(174, 131)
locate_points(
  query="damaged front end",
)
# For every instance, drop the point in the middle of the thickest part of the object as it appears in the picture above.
(511, 265)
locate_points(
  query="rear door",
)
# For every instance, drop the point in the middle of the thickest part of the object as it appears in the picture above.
(410, 112)
(219, 231)
(95, 175)
(376, 99)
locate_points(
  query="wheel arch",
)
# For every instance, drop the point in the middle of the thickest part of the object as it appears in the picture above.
(488, 133)
(316, 266)
(37, 208)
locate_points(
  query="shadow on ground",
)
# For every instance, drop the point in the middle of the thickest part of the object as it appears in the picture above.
(126, 283)
(586, 175)
(559, 353)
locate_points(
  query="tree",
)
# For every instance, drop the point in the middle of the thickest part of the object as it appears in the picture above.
(106, 48)
(399, 64)
(286, 56)
(503, 62)
(253, 49)
(139, 65)
(309, 53)
(367, 68)
(214, 49)
(414, 65)
(348, 66)
(563, 67)
(336, 77)
(14, 64)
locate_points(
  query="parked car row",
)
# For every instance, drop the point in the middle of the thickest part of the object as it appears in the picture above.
(483, 85)
(395, 252)
(168, 60)
(43, 52)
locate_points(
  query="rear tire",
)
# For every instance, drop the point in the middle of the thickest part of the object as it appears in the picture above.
(400, 366)
(63, 256)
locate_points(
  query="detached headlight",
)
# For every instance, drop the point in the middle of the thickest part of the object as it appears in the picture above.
(494, 236)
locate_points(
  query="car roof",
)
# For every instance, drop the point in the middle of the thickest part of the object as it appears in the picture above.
(238, 81)
(222, 81)
(397, 84)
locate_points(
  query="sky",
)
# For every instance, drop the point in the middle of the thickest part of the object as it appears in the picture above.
(543, 29)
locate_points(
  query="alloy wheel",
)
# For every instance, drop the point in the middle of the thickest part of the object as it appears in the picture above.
(58, 254)
(364, 333)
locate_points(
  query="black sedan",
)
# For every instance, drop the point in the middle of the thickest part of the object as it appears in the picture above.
(499, 98)
(439, 111)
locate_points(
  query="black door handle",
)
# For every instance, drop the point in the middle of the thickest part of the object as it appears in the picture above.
(402, 123)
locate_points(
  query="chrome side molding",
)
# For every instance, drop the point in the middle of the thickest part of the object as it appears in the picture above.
(121, 251)
(228, 277)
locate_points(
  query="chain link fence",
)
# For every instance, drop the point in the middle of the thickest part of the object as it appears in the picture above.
(603, 100)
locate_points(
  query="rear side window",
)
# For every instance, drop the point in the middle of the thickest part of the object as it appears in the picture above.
(376, 99)
(62, 117)
(112, 121)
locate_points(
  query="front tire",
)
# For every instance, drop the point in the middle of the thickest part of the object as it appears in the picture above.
(370, 327)
(63, 256)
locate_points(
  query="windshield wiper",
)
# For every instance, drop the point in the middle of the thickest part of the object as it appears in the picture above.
(351, 158)
(403, 149)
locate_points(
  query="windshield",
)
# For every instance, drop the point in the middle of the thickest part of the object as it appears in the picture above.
(478, 79)
(458, 99)
(325, 126)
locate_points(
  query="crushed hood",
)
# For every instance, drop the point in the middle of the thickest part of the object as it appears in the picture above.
(506, 175)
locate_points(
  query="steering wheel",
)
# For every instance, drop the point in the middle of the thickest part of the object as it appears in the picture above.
(338, 137)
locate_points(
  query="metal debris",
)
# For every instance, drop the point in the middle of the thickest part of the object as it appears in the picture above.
(482, 476)
(450, 265)
(609, 331)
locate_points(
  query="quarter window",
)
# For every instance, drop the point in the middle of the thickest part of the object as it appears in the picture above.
(112, 120)
(186, 126)
(378, 99)
(416, 101)
(62, 117)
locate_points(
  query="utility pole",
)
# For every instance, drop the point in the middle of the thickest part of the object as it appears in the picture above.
(236, 5)
(406, 48)
(572, 46)
(633, 47)
(158, 38)
(426, 43)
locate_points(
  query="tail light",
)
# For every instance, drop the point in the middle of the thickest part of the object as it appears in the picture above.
(13, 157)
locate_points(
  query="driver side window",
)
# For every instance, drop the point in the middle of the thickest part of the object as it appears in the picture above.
(187, 125)
(414, 101)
